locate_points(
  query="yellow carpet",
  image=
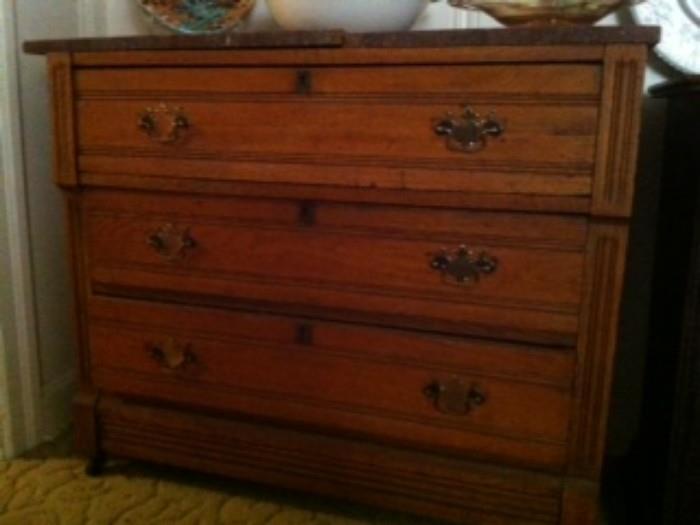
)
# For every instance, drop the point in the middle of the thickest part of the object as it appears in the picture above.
(55, 491)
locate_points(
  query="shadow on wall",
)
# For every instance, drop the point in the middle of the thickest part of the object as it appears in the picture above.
(628, 383)
(627, 386)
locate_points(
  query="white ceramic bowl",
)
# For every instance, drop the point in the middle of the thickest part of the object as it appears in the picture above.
(356, 16)
(259, 19)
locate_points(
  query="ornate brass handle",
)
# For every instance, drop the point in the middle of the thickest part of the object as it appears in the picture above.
(454, 396)
(463, 265)
(468, 133)
(171, 242)
(164, 124)
(172, 355)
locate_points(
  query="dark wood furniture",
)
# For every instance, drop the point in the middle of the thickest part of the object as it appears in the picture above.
(382, 267)
(668, 461)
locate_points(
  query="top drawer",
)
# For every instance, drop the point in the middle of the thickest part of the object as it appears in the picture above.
(527, 129)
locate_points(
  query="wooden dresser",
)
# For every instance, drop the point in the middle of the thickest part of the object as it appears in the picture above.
(381, 267)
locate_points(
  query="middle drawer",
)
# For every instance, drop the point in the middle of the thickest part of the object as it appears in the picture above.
(516, 275)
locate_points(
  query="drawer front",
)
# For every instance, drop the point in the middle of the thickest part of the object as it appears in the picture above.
(518, 274)
(496, 400)
(532, 130)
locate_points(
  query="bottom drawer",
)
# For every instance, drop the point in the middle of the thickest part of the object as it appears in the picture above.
(471, 397)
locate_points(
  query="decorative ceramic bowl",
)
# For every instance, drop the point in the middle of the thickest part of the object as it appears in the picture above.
(357, 16)
(544, 12)
(199, 16)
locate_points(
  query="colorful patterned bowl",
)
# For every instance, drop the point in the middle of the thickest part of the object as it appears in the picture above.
(545, 12)
(199, 16)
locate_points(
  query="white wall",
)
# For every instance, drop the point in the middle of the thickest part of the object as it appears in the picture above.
(5, 298)
(18, 354)
(56, 339)
(37, 354)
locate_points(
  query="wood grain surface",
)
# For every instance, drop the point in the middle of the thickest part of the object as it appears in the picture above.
(268, 236)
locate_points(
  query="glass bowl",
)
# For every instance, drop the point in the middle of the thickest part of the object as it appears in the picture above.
(545, 12)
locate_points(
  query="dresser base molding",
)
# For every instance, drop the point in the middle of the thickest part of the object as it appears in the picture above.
(454, 490)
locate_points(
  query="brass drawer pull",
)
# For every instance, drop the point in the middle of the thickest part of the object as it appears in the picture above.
(463, 265)
(469, 132)
(454, 396)
(171, 242)
(172, 355)
(164, 124)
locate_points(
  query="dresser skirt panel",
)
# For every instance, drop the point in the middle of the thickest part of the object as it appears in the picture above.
(449, 488)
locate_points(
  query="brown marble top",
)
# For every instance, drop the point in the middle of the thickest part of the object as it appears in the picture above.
(520, 36)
